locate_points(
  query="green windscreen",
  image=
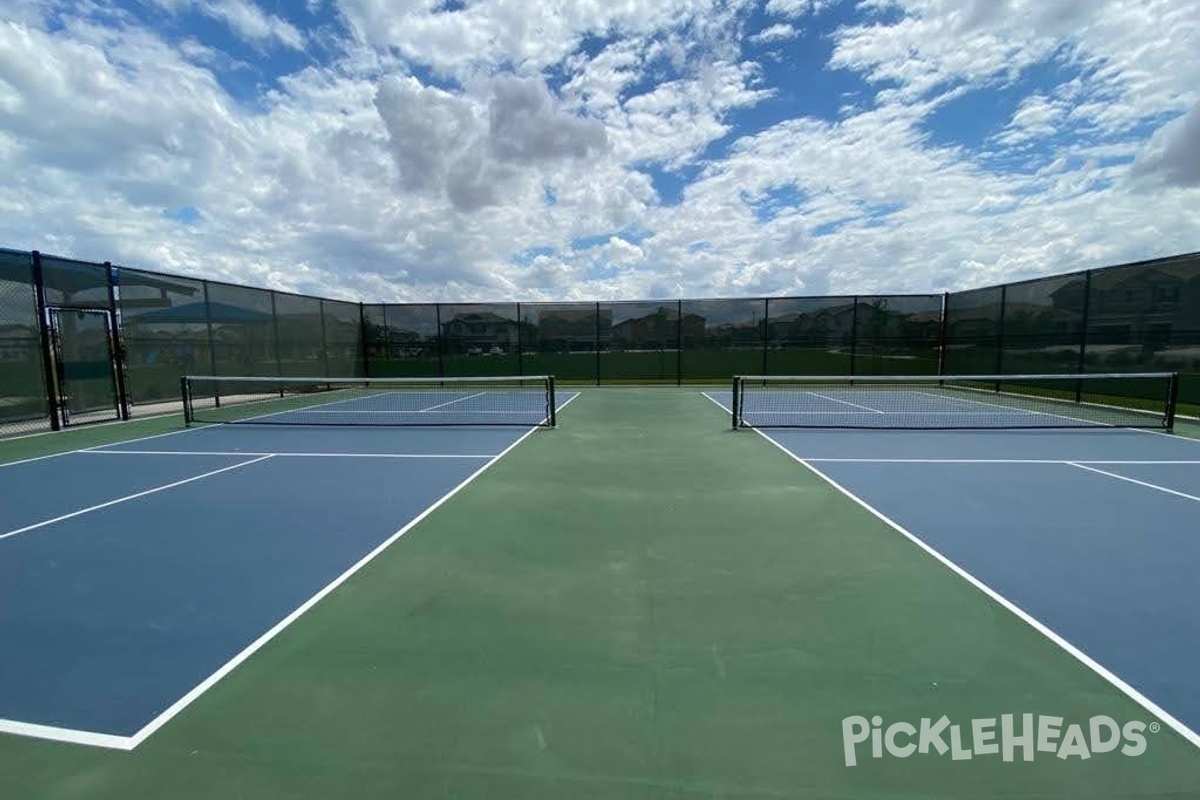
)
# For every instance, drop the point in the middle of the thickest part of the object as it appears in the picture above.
(22, 382)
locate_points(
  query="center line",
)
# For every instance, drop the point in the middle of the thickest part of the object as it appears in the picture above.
(1154, 486)
(451, 402)
(844, 402)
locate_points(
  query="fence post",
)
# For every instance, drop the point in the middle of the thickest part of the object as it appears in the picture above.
(39, 292)
(208, 323)
(854, 338)
(597, 342)
(520, 346)
(1000, 333)
(679, 342)
(766, 332)
(943, 328)
(278, 361)
(1083, 327)
(363, 344)
(440, 339)
(118, 343)
(324, 338)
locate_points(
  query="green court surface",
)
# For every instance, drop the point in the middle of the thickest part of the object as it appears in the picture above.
(639, 604)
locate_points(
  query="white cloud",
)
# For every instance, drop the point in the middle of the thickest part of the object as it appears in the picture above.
(479, 152)
(532, 33)
(620, 251)
(1038, 117)
(252, 23)
(428, 148)
(677, 119)
(1173, 154)
(781, 32)
(244, 18)
(793, 9)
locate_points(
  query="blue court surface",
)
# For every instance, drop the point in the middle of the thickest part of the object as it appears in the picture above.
(135, 575)
(1093, 535)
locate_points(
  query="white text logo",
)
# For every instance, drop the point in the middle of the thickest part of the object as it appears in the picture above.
(1006, 737)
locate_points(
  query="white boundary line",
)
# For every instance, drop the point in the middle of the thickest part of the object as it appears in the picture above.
(127, 743)
(282, 455)
(1145, 702)
(68, 735)
(134, 496)
(1155, 486)
(843, 402)
(93, 447)
(88, 425)
(574, 396)
(450, 402)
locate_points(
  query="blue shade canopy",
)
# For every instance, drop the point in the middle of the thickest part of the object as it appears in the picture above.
(204, 312)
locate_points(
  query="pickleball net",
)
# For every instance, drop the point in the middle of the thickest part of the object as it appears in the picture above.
(526, 401)
(945, 402)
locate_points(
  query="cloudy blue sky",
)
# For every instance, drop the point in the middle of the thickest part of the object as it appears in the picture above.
(601, 149)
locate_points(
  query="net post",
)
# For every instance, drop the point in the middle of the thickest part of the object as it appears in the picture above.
(186, 394)
(1172, 401)
(550, 398)
(737, 400)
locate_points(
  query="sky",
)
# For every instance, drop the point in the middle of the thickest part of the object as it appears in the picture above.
(473, 150)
